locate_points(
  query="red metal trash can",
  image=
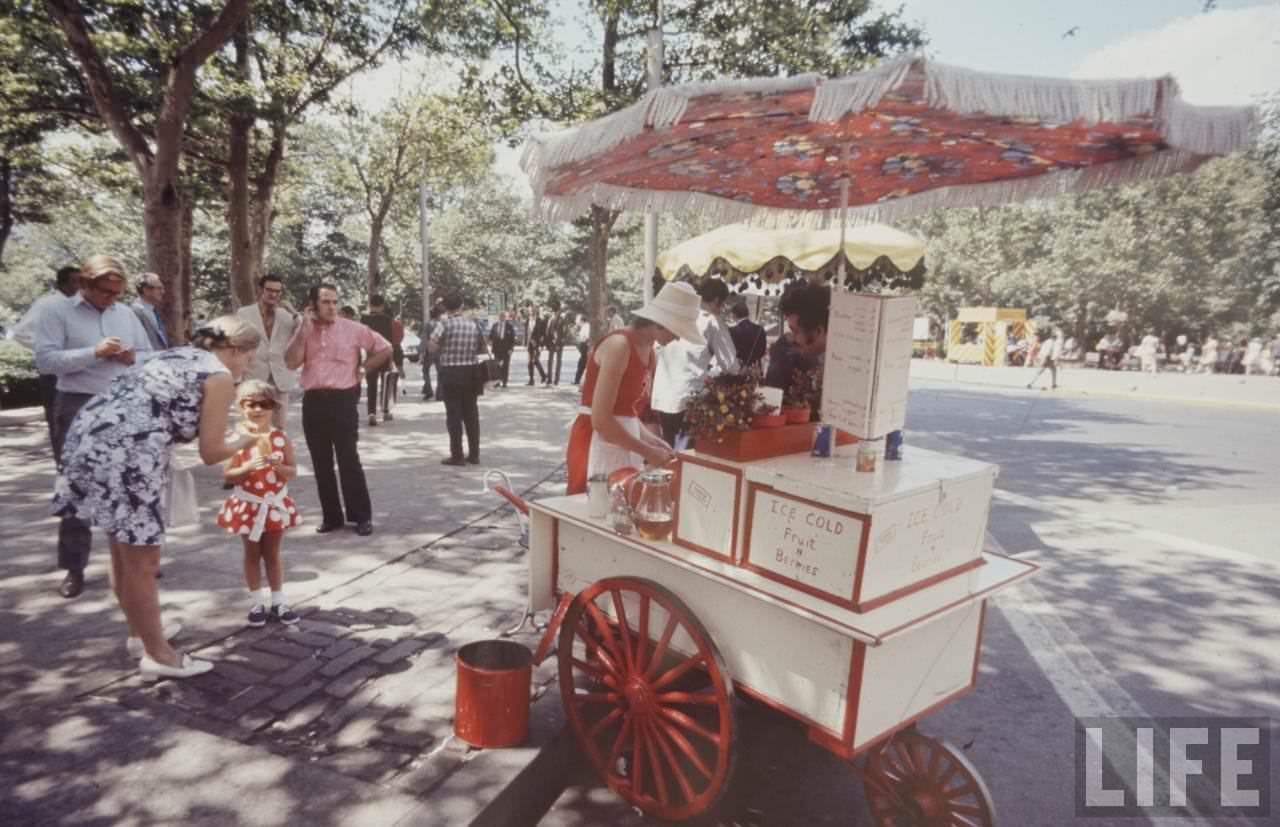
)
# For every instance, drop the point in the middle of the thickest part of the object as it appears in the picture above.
(491, 703)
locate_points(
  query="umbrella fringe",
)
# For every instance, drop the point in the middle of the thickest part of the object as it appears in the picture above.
(996, 193)
(834, 99)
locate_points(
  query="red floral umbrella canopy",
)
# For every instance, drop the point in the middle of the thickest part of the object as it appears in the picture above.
(909, 135)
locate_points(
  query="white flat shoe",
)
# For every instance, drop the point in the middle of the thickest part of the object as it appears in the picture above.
(154, 670)
(134, 647)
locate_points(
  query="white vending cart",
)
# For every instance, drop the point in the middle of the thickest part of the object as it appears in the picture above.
(852, 602)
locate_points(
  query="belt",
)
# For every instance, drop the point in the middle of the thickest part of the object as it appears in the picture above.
(265, 503)
(330, 391)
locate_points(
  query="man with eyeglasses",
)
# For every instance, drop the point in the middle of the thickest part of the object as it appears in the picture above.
(147, 309)
(86, 341)
(276, 323)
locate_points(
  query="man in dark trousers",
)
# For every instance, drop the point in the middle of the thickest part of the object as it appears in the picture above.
(554, 344)
(68, 285)
(429, 358)
(379, 322)
(535, 334)
(749, 338)
(458, 341)
(502, 339)
(327, 347)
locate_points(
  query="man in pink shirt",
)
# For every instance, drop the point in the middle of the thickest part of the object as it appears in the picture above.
(327, 348)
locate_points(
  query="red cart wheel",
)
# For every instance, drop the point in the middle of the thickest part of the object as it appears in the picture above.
(915, 781)
(648, 698)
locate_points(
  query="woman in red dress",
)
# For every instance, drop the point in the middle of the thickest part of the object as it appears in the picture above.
(607, 434)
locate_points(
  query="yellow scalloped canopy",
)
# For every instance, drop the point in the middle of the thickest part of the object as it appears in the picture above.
(749, 248)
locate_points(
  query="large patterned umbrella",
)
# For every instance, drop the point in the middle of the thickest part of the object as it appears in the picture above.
(757, 261)
(891, 142)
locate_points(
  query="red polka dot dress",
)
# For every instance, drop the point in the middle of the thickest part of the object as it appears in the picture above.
(261, 503)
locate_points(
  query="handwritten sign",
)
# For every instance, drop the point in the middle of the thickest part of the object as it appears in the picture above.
(918, 537)
(707, 509)
(793, 540)
(864, 387)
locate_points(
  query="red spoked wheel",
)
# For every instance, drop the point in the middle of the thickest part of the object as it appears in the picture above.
(915, 781)
(648, 697)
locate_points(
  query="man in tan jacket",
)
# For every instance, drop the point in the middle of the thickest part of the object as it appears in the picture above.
(276, 323)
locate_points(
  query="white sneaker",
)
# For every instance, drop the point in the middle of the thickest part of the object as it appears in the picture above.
(134, 645)
(154, 670)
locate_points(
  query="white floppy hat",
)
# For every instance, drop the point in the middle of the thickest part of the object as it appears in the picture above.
(676, 308)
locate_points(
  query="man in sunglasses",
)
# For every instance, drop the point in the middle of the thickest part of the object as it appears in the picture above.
(276, 323)
(86, 341)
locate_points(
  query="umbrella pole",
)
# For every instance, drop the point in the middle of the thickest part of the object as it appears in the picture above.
(844, 214)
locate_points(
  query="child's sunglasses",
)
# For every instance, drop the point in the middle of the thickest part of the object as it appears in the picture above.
(261, 404)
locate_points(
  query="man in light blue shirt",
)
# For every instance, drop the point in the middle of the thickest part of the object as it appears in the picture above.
(147, 309)
(68, 284)
(86, 341)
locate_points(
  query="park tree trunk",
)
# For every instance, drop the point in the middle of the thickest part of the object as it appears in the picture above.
(157, 166)
(6, 204)
(598, 255)
(262, 203)
(240, 128)
(186, 271)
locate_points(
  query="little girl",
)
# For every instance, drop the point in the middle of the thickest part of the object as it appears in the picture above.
(260, 509)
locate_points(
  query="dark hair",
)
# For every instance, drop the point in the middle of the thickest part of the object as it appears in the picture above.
(713, 290)
(554, 304)
(437, 310)
(376, 300)
(65, 274)
(639, 322)
(809, 303)
(739, 310)
(453, 301)
(266, 277)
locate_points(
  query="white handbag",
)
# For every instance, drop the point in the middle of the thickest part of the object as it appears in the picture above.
(182, 507)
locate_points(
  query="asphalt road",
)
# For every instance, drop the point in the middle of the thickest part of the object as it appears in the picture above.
(1156, 527)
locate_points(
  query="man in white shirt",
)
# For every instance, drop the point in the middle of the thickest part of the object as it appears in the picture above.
(86, 340)
(682, 366)
(271, 317)
(68, 283)
(613, 320)
(1050, 353)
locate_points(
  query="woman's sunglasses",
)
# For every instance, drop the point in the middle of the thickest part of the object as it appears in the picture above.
(260, 404)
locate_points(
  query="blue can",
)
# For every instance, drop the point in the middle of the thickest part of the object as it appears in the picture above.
(823, 441)
(893, 446)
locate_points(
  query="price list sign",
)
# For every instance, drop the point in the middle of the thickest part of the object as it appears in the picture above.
(868, 361)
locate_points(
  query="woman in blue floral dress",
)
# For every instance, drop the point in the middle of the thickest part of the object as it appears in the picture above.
(115, 466)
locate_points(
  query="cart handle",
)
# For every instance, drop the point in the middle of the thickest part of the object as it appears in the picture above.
(505, 490)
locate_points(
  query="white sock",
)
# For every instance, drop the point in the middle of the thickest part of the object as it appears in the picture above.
(277, 598)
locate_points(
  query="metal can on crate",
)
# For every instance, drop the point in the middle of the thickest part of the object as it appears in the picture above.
(823, 441)
(893, 446)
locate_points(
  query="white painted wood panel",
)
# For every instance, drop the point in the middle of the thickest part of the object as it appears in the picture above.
(707, 498)
(792, 661)
(918, 537)
(807, 544)
(916, 670)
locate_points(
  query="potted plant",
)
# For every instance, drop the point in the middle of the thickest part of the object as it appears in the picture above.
(726, 404)
(803, 395)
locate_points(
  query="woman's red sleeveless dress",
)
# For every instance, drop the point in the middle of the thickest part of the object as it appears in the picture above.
(633, 399)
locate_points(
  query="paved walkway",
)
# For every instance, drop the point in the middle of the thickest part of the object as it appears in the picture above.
(343, 719)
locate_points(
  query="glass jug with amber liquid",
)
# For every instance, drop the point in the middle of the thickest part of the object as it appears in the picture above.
(652, 502)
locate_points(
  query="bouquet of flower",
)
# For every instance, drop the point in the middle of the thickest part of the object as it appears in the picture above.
(805, 390)
(725, 404)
